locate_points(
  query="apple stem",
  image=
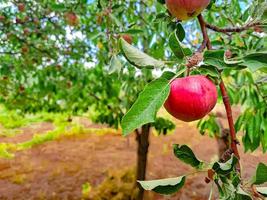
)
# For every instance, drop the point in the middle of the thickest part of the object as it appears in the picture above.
(188, 71)
(226, 101)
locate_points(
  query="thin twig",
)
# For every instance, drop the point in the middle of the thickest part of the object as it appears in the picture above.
(206, 40)
(232, 29)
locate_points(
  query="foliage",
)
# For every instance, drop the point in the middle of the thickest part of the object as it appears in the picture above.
(68, 57)
(62, 130)
(118, 185)
(234, 60)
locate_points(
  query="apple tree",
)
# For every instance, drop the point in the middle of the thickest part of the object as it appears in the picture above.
(234, 58)
(77, 55)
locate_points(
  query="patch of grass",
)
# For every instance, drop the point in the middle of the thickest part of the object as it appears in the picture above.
(18, 179)
(61, 131)
(10, 132)
(11, 119)
(6, 149)
(118, 185)
(86, 189)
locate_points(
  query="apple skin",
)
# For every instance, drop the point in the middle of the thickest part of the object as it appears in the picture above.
(128, 38)
(186, 9)
(191, 98)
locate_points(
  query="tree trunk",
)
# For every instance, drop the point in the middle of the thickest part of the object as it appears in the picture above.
(223, 142)
(142, 150)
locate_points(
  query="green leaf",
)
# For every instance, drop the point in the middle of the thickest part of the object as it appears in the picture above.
(148, 103)
(177, 48)
(137, 57)
(115, 65)
(164, 186)
(180, 32)
(242, 195)
(185, 154)
(58, 7)
(161, 1)
(215, 58)
(262, 190)
(115, 19)
(168, 75)
(228, 191)
(261, 174)
(210, 71)
(133, 31)
(255, 61)
(225, 168)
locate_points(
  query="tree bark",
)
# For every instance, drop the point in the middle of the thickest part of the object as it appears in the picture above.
(142, 151)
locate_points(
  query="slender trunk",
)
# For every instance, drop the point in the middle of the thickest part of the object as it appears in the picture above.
(223, 144)
(142, 151)
(225, 96)
(222, 139)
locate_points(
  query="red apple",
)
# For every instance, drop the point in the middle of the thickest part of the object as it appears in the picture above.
(21, 7)
(72, 19)
(2, 18)
(191, 98)
(24, 49)
(186, 9)
(26, 31)
(128, 38)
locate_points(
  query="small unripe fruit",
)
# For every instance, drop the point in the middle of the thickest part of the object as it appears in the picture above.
(26, 19)
(21, 88)
(191, 98)
(2, 18)
(186, 9)
(21, 7)
(26, 31)
(36, 21)
(128, 38)
(24, 49)
(71, 19)
(228, 54)
(258, 29)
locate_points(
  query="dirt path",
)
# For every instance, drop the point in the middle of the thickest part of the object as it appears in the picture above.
(58, 169)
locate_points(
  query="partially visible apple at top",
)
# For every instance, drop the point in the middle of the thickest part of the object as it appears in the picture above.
(186, 9)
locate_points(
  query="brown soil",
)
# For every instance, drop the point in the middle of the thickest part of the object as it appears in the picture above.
(58, 169)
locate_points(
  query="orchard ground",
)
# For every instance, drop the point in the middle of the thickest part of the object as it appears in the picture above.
(58, 169)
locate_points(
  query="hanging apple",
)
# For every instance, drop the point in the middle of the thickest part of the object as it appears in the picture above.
(191, 98)
(2, 18)
(186, 9)
(21, 7)
(71, 19)
(128, 38)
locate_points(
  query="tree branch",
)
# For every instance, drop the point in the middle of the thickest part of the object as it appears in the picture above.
(225, 96)
(206, 40)
(232, 29)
